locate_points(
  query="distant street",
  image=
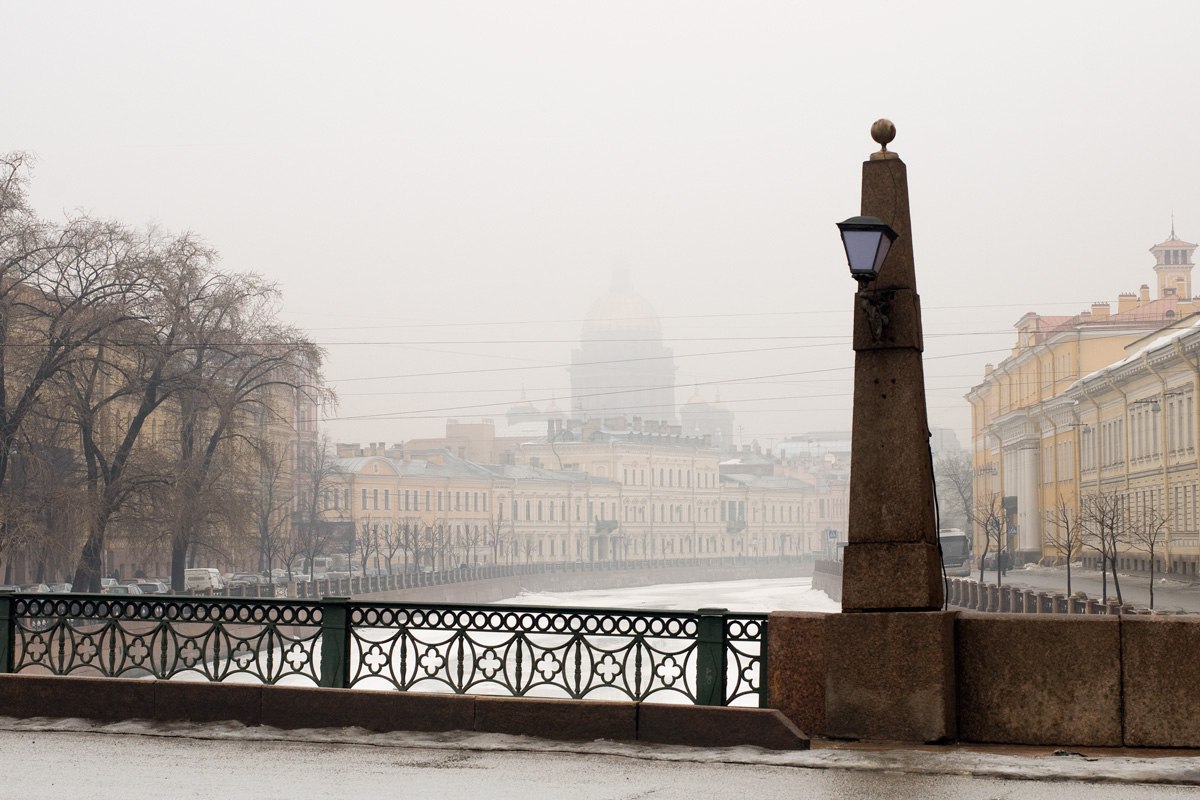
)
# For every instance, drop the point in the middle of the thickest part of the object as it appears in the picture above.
(1169, 594)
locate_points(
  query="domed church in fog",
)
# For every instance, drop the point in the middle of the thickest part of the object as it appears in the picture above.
(621, 367)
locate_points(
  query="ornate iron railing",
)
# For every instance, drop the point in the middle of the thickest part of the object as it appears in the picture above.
(707, 657)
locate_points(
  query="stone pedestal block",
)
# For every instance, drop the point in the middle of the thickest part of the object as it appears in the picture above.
(796, 678)
(890, 676)
(1160, 679)
(1049, 679)
(878, 576)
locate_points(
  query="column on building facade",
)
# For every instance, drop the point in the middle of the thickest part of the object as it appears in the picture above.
(1029, 544)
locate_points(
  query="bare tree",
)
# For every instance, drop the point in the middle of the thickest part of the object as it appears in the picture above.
(271, 496)
(1147, 532)
(240, 368)
(1064, 534)
(135, 368)
(61, 288)
(367, 543)
(988, 514)
(955, 480)
(318, 473)
(1105, 522)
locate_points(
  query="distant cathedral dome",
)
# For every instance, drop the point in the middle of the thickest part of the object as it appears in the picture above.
(621, 314)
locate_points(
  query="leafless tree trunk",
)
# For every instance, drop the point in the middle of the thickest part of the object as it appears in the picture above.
(1147, 532)
(1064, 533)
(955, 478)
(988, 513)
(1105, 523)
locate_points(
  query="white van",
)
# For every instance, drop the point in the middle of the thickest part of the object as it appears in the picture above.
(202, 579)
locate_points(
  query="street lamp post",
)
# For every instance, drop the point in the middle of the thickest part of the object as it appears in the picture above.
(891, 560)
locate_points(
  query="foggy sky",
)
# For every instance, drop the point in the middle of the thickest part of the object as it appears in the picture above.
(440, 187)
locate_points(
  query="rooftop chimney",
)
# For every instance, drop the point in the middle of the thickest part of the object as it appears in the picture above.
(1100, 310)
(1145, 294)
(1126, 301)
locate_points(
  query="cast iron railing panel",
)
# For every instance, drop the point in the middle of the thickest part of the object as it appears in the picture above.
(210, 639)
(706, 657)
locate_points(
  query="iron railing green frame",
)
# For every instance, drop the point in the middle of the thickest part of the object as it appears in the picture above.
(705, 657)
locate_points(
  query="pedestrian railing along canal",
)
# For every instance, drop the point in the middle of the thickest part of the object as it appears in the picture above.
(706, 657)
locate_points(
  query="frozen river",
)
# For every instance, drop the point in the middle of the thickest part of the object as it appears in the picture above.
(776, 594)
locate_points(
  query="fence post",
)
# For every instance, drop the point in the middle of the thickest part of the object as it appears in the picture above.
(8, 638)
(710, 657)
(335, 642)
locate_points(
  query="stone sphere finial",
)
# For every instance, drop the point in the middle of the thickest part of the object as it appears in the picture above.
(883, 131)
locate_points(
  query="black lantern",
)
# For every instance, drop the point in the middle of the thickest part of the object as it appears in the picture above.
(867, 241)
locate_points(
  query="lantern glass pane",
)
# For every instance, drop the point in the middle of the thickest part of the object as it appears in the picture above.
(861, 248)
(885, 244)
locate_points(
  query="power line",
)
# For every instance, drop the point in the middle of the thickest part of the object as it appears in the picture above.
(724, 381)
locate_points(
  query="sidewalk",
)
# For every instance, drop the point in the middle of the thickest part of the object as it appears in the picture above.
(1170, 593)
(45, 756)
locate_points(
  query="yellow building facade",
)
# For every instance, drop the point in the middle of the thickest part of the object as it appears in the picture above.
(1100, 401)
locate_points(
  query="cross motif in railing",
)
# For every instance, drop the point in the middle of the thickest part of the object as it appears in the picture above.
(548, 665)
(608, 668)
(432, 661)
(190, 654)
(490, 664)
(86, 649)
(297, 656)
(669, 670)
(243, 655)
(375, 659)
(138, 650)
(36, 648)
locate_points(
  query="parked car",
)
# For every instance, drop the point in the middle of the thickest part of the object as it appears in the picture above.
(152, 587)
(128, 588)
(59, 588)
(36, 588)
(106, 582)
(202, 579)
(244, 579)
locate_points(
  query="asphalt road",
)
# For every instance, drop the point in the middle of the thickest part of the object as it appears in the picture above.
(1169, 594)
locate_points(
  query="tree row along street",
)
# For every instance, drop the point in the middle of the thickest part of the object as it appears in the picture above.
(143, 391)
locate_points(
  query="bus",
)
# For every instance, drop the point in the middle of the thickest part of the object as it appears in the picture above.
(956, 551)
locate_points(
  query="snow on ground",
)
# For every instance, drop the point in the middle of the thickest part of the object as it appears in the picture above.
(775, 594)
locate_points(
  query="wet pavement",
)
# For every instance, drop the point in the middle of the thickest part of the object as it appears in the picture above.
(47, 758)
